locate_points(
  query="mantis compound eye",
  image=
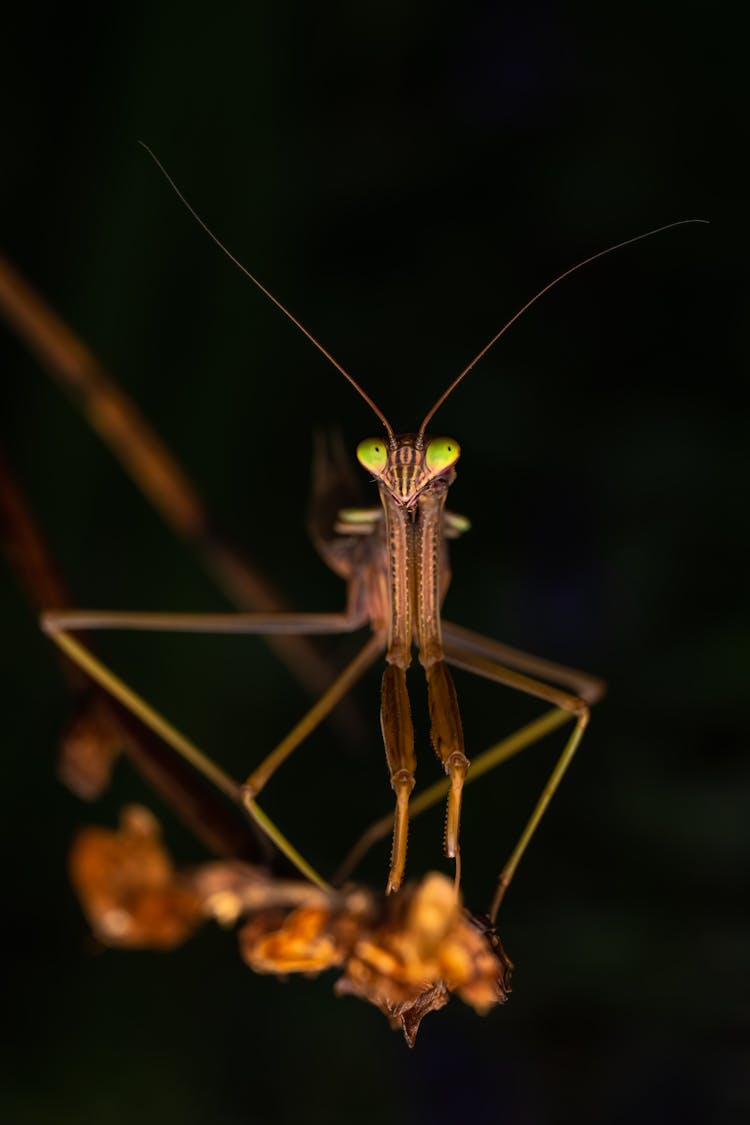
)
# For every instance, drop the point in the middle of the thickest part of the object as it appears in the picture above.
(441, 453)
(372, 454)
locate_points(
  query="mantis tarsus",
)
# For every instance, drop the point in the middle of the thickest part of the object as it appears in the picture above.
(394, 562)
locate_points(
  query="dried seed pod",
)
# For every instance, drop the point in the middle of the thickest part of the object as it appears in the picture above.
(406, 954)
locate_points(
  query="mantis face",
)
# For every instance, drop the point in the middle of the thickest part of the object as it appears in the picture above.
(407, 465)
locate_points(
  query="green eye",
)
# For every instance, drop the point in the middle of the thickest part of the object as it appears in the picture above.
(441, 453)
(372, 453)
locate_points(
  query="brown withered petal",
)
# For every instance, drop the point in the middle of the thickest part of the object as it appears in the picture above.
(128, 888)
(305, 941)
(409, 1016)
(406, 960)
(425, 950)
(230, 890)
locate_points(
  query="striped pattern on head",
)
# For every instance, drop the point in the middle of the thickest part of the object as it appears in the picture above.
(407, 464)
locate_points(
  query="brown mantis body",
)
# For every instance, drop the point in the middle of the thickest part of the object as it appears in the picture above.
(395, 564)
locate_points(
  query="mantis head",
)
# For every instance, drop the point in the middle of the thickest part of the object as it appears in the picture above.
(408, 464)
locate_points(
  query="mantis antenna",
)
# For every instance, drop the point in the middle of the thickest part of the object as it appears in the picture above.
(268, 293)
(550, 285)
(350, 378)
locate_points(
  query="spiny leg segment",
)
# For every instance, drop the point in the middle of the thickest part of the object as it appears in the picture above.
(427, 798)
(398, 738)
(567, 707)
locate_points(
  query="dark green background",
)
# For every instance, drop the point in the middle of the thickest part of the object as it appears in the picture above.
(404, 176)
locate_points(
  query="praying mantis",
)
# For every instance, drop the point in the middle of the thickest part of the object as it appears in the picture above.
(394, 562)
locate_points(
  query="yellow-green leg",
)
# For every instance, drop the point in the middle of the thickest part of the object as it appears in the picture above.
(472, 661)
(112, 683)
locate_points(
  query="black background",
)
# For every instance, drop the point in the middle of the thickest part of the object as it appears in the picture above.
(404, 176)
